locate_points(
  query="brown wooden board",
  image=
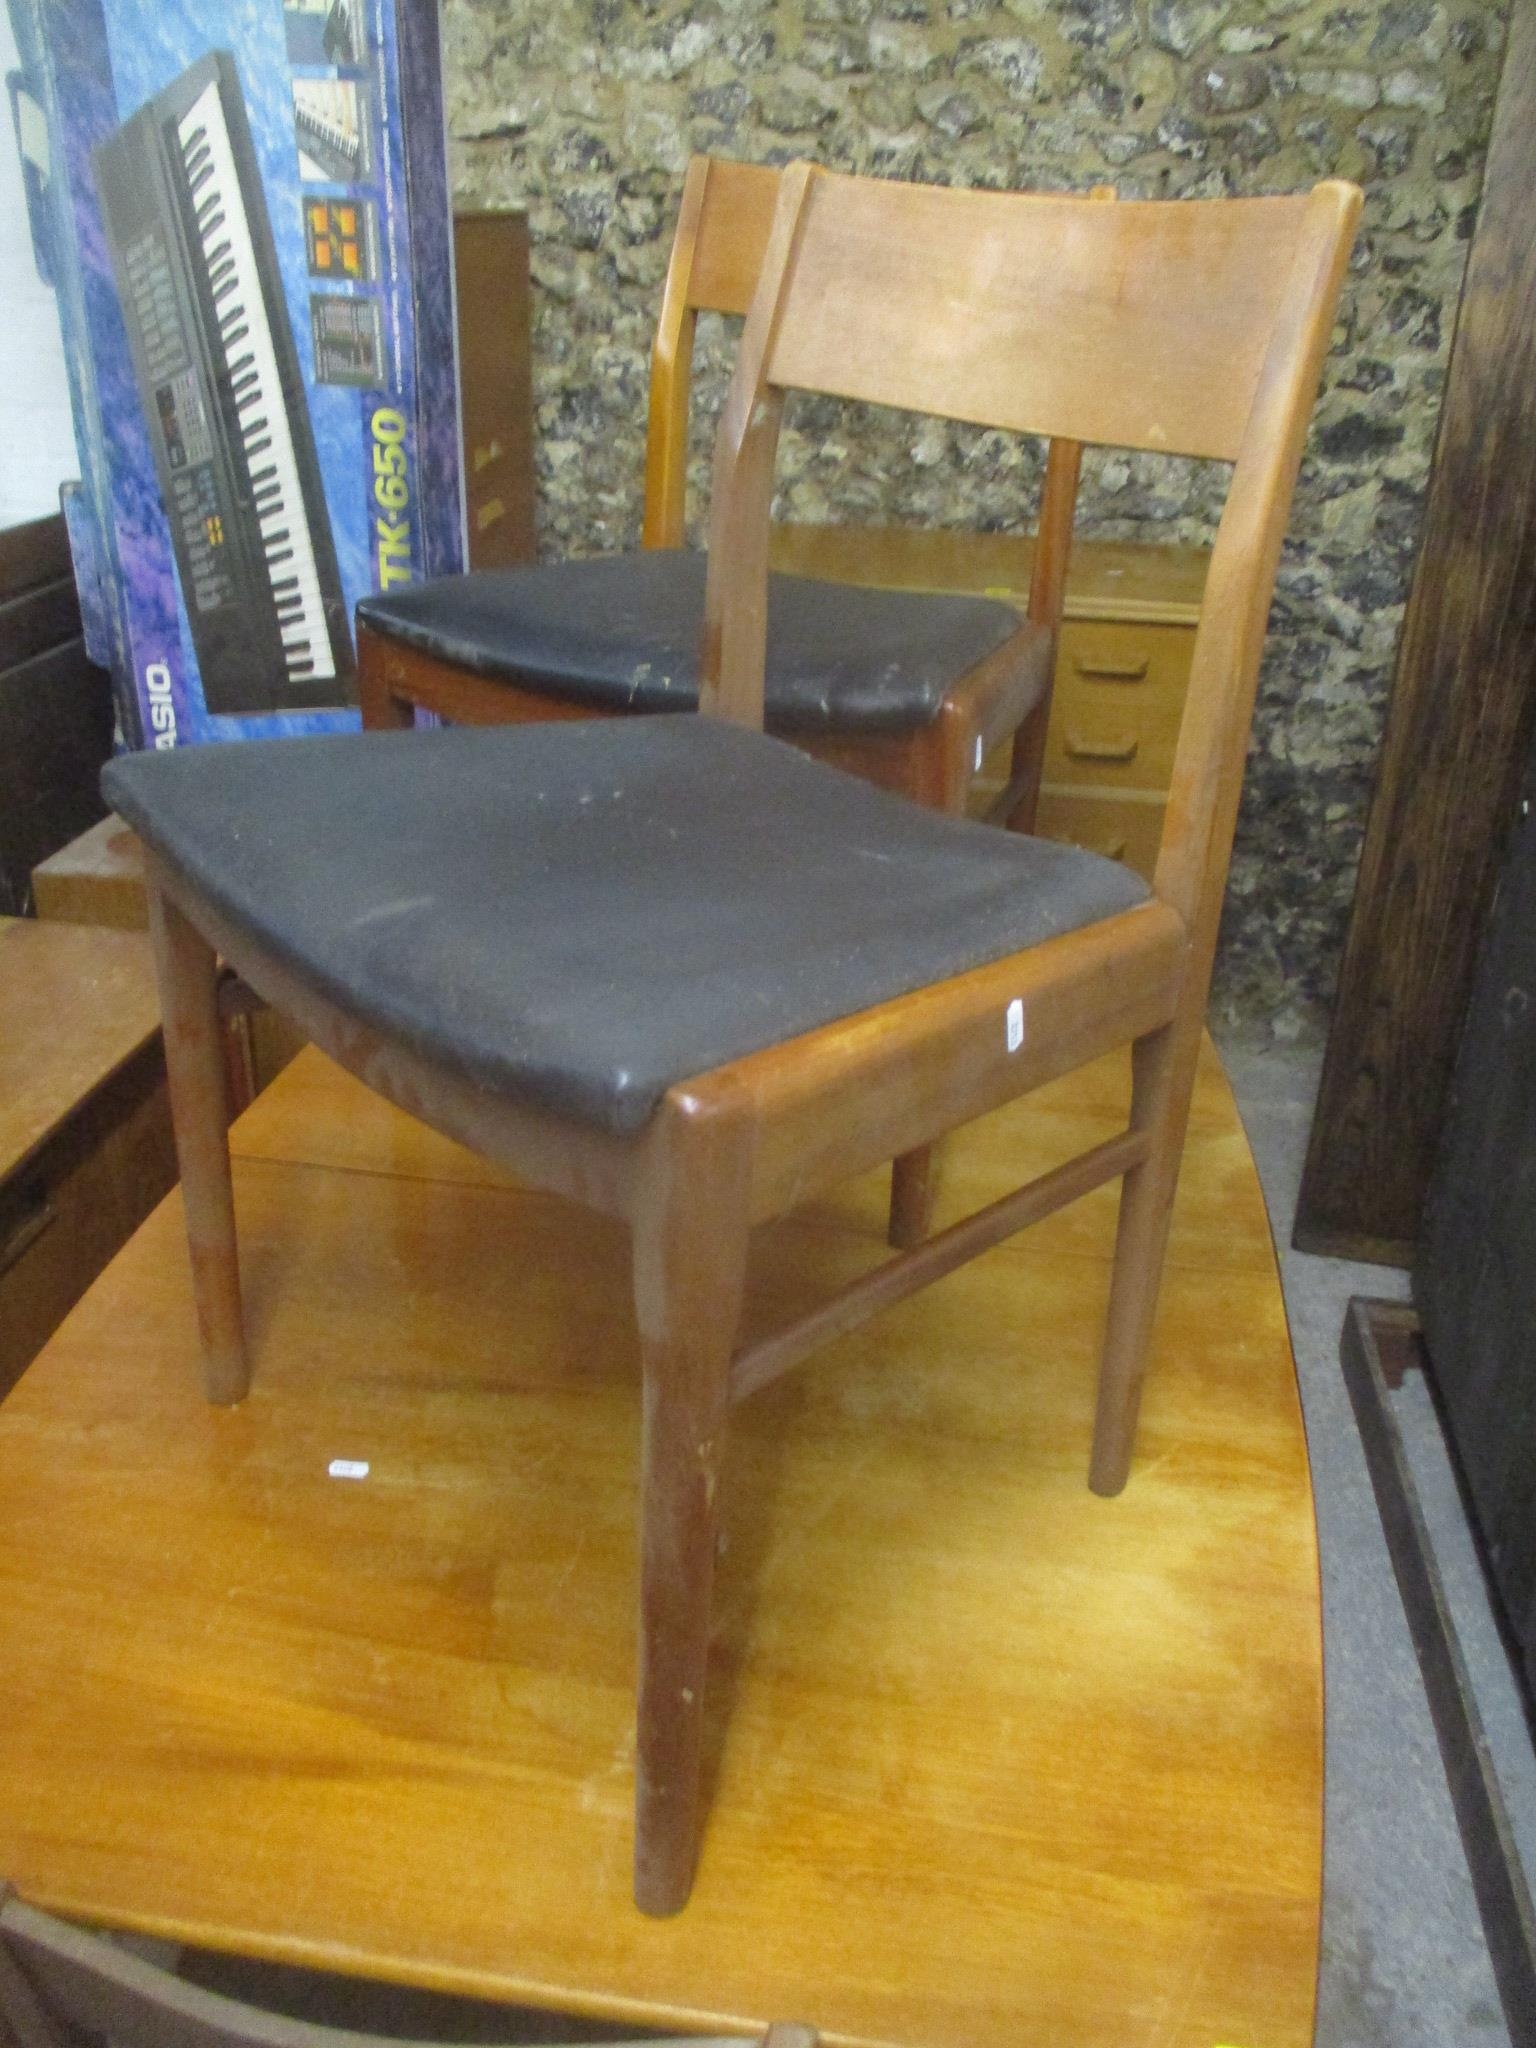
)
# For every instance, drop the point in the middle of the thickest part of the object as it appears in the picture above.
(1475, 1276)
(1378, 1339)
(62, 1986)
(97, 878)
(490, 255)
(75, 1005)
(85, 1132)
(1461, 716)
(78, 1200)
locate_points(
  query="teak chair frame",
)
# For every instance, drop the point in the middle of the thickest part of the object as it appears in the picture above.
(1104, 324)
(63, 1986)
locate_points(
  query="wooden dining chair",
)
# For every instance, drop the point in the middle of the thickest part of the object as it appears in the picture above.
(908, 689)
(681, 972)
(63, 1986)
(897, 686)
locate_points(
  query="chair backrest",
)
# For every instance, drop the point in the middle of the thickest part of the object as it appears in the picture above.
(723, 225)
(61, 1987)
(1190, 327)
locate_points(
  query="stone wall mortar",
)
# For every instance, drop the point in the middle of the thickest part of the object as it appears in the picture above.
(586, 111)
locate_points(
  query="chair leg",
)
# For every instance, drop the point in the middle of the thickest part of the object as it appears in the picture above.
(382, 710)
(1027, 767)
(194, 1064)
(690, 1266)
(940, 778)
(914, 1189)
(1162, 1079)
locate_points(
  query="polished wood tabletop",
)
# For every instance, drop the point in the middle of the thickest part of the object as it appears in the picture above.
(993, 1760)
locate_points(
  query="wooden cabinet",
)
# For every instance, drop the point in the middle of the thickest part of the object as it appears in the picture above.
(98, 879)
(55, 708)
(490, 260)
(1119, 698)
(1115, 714)
(85, 1131)
(1121, 672)
(1125, 826)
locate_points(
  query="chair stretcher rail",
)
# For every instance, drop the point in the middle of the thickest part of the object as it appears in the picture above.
(897, 1278)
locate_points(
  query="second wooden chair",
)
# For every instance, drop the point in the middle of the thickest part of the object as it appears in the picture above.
(896, 686)
(908, 690)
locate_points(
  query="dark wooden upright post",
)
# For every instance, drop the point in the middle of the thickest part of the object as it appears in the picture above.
(1457, 732)
(490, 260)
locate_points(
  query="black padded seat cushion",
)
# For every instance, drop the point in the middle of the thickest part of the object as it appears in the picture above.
(623, 633)
(580, 914)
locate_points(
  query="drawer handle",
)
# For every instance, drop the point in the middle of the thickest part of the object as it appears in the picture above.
(1119, 748)
(1112, 671)
(28, 1227)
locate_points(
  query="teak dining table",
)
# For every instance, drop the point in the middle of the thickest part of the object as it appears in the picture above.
(343, 1676)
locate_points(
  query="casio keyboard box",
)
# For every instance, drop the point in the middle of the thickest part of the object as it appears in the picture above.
(244, 212)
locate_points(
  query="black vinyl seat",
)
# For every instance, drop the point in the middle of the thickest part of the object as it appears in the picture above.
(580, 914)
(623, 633)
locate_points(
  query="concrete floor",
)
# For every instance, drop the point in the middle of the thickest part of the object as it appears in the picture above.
(1405, 1964)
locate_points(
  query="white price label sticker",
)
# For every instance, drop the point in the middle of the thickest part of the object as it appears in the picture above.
(348, 1468)
(1015, 1023)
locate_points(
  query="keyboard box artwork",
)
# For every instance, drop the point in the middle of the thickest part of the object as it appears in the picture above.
(244, 213)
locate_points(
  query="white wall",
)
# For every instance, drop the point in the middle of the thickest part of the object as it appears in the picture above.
(37, 442)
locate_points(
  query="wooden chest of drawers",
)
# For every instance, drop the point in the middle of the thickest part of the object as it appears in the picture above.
(1121, 672)
(1115, 715)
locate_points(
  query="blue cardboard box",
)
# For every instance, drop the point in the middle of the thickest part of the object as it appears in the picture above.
(244, 212)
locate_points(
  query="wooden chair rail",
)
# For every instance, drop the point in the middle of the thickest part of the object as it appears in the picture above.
(904, 1073)
(937, 1060)
(397, 679)
(933, 764)
(761, 1363)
